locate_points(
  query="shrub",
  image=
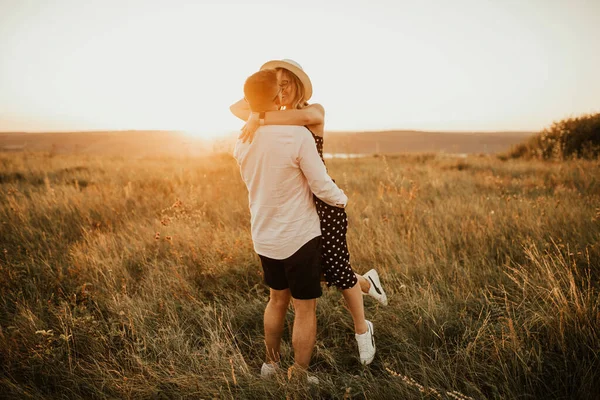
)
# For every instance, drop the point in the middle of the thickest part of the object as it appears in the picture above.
(577, 137)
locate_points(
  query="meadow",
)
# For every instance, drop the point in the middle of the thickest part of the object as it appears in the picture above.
(126, 277)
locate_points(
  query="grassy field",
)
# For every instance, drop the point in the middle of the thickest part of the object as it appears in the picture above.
(137, 279)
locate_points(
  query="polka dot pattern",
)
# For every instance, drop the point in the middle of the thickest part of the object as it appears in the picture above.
(334, 226)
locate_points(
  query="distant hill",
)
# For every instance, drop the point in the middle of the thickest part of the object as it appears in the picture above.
(165, 143)
(124, 143)
(422, 141)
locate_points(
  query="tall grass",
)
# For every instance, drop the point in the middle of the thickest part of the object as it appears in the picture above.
(137, 279)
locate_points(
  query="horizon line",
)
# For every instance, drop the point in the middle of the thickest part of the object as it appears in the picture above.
(334, 131)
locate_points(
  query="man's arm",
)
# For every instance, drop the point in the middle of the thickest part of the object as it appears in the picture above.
(314, 170)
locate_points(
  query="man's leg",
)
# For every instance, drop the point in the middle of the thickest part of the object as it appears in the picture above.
(303, 271)
(305, 331)
(274, 322)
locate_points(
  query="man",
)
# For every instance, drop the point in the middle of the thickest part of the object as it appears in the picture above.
(282, 170)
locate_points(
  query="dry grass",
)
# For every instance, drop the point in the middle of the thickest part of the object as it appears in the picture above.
(137, 279)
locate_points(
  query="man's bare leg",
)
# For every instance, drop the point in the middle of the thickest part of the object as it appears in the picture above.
(274, 321)
(305, 331)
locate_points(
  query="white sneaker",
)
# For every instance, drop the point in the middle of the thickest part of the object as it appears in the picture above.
(366, 345)
(376, 290)
(268, 369)
(297, 374)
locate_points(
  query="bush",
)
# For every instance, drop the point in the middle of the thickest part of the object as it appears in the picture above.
(570, 138)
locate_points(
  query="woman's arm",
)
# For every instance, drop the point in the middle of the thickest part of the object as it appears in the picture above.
(313, 114)
(240, 109)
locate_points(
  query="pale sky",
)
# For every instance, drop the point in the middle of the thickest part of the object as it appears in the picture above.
(376, 64)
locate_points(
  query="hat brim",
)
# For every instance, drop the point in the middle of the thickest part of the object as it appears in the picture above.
(296, 71)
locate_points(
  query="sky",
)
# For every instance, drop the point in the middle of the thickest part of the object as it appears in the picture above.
(484, 65)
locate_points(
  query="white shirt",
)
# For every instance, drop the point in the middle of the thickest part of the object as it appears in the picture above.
(282, 169)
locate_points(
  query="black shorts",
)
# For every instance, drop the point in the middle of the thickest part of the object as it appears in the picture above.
(300, 272)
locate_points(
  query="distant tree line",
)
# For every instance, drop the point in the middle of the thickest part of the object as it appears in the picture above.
(577, 137)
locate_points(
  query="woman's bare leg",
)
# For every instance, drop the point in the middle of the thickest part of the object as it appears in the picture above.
(364, 284)
(354, 301)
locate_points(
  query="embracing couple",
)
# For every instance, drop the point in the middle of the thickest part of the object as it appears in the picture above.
(298, 218)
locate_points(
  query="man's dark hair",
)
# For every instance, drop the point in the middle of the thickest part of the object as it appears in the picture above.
(260, 89)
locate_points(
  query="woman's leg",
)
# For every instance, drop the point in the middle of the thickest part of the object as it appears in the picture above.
(336, 262)
(364, 284)
(354, 301)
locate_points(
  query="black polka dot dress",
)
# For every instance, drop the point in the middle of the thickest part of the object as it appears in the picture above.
(334, 225)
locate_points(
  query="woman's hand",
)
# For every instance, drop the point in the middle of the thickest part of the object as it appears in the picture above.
(250, 128)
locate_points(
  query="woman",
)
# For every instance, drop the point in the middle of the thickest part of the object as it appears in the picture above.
(296, 90)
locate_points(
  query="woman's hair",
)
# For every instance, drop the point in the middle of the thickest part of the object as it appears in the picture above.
(298, 102)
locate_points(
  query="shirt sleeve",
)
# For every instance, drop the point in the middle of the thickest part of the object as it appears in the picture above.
(312, 167)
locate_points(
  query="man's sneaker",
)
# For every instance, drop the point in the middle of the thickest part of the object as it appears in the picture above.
(366, 345)
(376, 290)
(269, 369)
(297, 375)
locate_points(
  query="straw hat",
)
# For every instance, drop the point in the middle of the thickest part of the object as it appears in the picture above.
(294, 68)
